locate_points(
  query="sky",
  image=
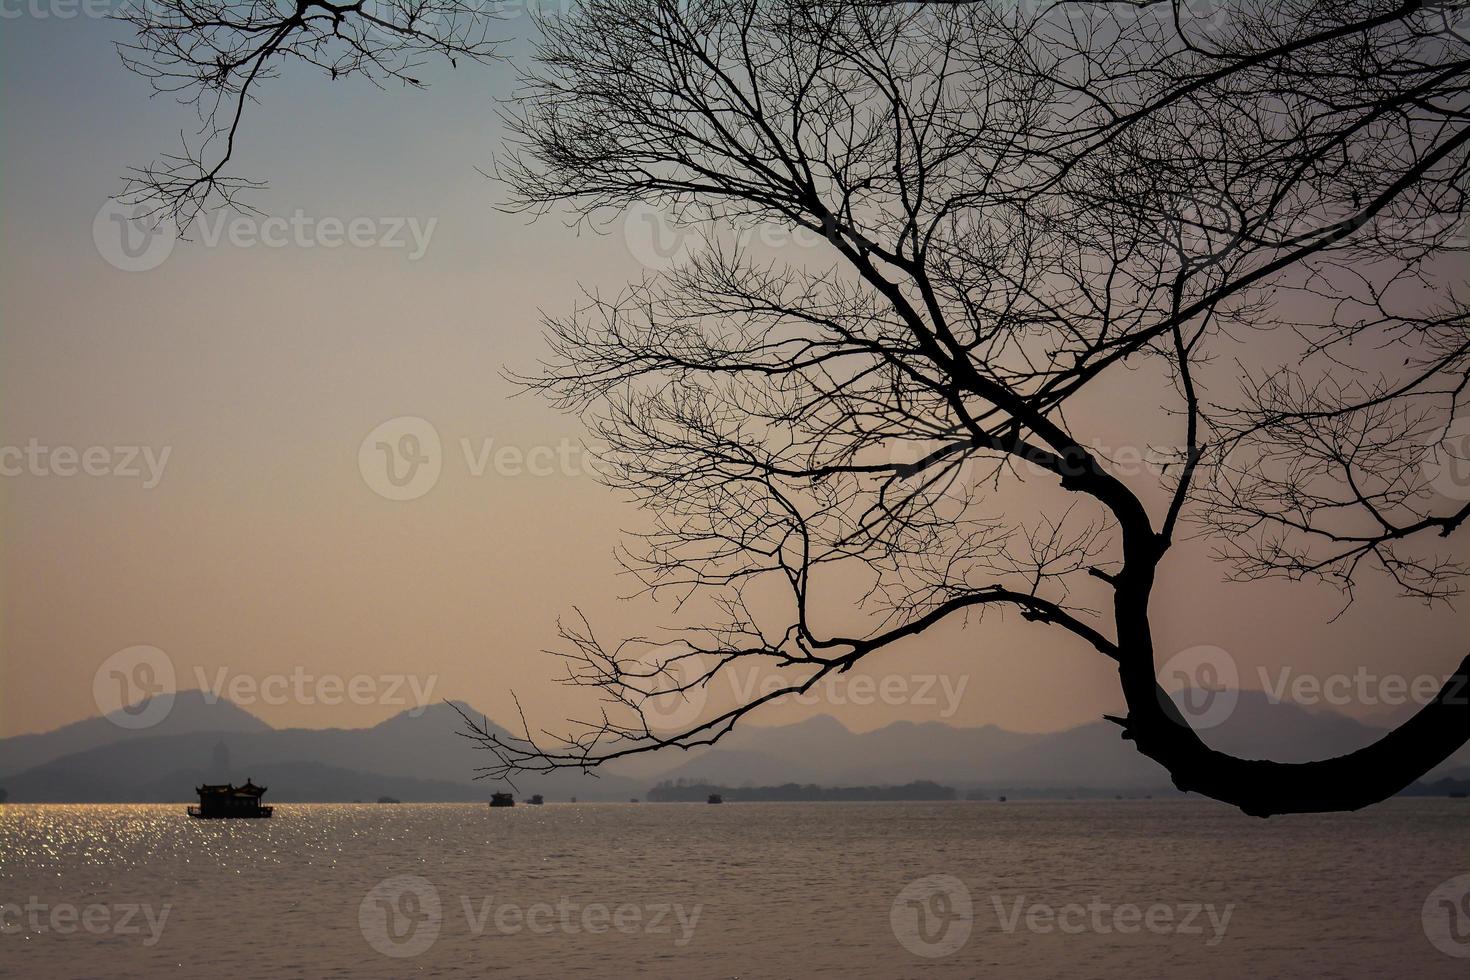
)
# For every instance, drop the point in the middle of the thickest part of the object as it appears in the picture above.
(236, 391)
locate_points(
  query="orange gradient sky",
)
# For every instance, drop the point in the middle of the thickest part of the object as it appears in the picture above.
(263, 551)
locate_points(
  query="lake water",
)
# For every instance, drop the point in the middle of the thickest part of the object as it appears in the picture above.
(1099, 889)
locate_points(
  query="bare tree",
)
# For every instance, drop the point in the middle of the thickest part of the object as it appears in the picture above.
(1022, 211)
(213, 55)
(1017, 207)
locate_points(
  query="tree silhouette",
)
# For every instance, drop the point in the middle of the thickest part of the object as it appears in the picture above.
(213, 55)
(1253, 216)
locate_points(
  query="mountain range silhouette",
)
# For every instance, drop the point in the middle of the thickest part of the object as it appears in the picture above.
(421, 758)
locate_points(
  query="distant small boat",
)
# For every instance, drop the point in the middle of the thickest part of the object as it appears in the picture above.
(502, 799)
(229, 801)
(1002, 799)
(716, 798)
(633, 800)
(537, 800)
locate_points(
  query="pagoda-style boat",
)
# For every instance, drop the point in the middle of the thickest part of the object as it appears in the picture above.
(230, 802)
(502, 799)
(716, 798)
(537, 800)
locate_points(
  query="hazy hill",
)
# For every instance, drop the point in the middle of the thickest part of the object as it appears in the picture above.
(1089, 756)
(822, 750)
(411, 757)
(191, 712)
(420, 757)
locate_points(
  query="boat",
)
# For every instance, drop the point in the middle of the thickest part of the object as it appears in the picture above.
(537, 800)
(502, 799)
(230, 802)
(716, 798)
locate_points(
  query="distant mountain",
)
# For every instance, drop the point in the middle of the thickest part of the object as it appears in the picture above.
(822, 750)
(674, 792)
(111, 776)
(421, 757)
(411, 756)
(191, 712)
(1089, 757)
(1459, 788)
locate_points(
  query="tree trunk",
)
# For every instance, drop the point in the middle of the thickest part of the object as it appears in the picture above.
(1260, 787)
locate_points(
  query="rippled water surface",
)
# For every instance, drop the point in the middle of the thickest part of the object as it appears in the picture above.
(743, 890)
